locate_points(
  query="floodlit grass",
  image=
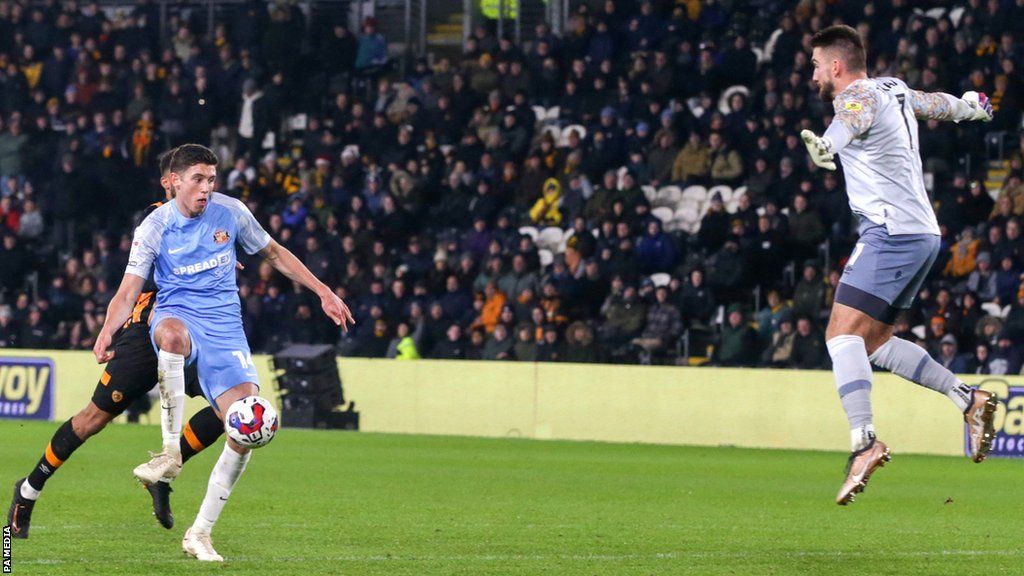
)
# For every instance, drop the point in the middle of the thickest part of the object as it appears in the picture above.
(318, 502)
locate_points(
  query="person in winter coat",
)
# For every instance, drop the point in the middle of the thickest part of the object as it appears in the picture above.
(545, 211)
(656, 252)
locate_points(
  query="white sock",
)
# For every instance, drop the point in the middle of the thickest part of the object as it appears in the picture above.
(852, 373)
(910, 361)
(861, 436)
(27, 491)
(171, 370)
(225, 475)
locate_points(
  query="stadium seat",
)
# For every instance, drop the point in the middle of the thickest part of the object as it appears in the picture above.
(696, 193)
(664, 214)
(668, 196)
(993, 309)
(650, 192)
(530, 231)
(660, 279)
(546, 115)
(549, 238)
(565, 241)
(546, 257)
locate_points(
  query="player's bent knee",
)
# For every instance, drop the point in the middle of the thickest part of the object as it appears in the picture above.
(172, 336)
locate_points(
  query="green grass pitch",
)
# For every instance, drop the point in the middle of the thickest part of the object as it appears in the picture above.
(317, 502)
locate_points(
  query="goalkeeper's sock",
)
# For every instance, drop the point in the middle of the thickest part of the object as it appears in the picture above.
(171, 372)
(225, 475)
(910, 361)
(852, 373)
(202, 430)
(61, 446)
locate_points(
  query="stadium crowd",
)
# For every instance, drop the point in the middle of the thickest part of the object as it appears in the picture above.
(426, 197)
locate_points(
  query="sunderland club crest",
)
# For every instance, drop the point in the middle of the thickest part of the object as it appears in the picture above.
(221, 236)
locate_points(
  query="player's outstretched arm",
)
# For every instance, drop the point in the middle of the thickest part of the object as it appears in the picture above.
(942, 106)
(118, 311)
(285, 262)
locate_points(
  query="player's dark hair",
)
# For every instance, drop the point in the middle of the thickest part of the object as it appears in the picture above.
(165, 161)
(847, 42)
(188, 155)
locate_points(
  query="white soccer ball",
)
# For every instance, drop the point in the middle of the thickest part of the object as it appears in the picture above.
(251, 422)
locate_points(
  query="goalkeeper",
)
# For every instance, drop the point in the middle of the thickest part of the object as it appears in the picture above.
(875, 132)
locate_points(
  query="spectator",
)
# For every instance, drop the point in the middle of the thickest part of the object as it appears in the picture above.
(525, 348)
(809, 351)
(664, 324)
(452, 347)
(779, 353)
(948, 356)
(499, 344)
(1004, 358)
(809, 296)
(726, 163)
(693, 163)
(656, 251)
(738, 346)
(545, 211)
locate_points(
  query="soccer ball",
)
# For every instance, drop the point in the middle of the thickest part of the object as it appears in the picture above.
(251, 422)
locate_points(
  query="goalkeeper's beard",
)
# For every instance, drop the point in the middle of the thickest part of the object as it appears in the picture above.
(827, 91)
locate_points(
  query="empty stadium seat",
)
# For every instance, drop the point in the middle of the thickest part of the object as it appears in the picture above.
(661, 279)
(530, 231)
(696, 192)
(668, 196)
(549, 238)
(663, 213)
(650, 192)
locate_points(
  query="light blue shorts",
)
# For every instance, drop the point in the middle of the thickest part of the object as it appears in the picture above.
(219, 349)
(885, 272)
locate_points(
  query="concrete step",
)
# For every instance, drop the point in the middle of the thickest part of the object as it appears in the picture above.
(436, 39)
(447, 29)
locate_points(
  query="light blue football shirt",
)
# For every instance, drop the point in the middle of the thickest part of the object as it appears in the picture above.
(194, 258)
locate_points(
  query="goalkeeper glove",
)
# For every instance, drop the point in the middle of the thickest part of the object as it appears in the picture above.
(818, 148)
(980, 105)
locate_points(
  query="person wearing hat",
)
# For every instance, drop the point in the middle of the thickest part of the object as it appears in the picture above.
(949, 357)
(982, 280)
(1004, 357)
(546, 211)
(963, 256)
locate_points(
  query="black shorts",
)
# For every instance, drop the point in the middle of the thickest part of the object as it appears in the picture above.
(131, 374)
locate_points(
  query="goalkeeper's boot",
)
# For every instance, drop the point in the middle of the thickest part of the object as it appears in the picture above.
(199, 546)
(19, 515)
(162, 465)
(979, 416)
(859, 468)
(161, 493)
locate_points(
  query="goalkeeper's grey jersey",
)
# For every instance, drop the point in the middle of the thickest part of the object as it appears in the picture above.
(882, 162)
